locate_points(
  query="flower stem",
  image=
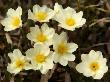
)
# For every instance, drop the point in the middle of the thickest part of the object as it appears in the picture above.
(78, 4)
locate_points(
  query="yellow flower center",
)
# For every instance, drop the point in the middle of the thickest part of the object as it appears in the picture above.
(62, 48)
(94, 66)
(20, 64)
(41, 15)
(40, 58)
(15, 21)
(70, 21)
(41, 37)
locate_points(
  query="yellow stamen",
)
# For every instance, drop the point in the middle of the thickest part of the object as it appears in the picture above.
(41, 15)
(40, 58)
(70, 21)
(94, 66)
(41, 37)
(20, 64)
(16, 21)
(62, 48)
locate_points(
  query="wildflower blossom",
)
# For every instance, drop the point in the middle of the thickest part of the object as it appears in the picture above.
(68, 18)
(18, 62)
(63, 49)
(13, 19)
(41, 58)
(93, 64)
(41, 14)
(41, 36)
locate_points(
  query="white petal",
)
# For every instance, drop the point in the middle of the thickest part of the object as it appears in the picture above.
(94, 55)
(47, 31)
(8, 29)
(10, 12)
(17, 52)
(8, 38)
(98, 76)
(44, 27)
(34, 31)
(5, 21)
(56, 58)
(34, 66)
(12, 57)
(36, 8)
(82, 22)
(61, 16)
(57, 8)
(12, 69)
(72, 47)
(63, 62)
(69, 57)
(44, 71)
(43, 49)
(30, 15)
(27, 66)
(84, 57)
(49, 61)
(51, 14)
(63, 36)
(79, 67)
(44, 8)
(31, 52)
(83, 68)
(48, 65)
(56, 38)
(19, 11)
(70, 10)
(103, 67)
(15, 55)
(78, 16)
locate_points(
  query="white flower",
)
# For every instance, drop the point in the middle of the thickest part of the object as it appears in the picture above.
(18, 62)
(63, 50)
(41, 36)
(41, 58)
(93, 64)
(41, 14)
(13, 19)
(68, 18)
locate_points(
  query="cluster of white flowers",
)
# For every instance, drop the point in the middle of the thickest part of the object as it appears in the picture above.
(67, 18)
(41, 57)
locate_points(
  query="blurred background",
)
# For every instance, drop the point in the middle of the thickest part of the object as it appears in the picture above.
(95, 34)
